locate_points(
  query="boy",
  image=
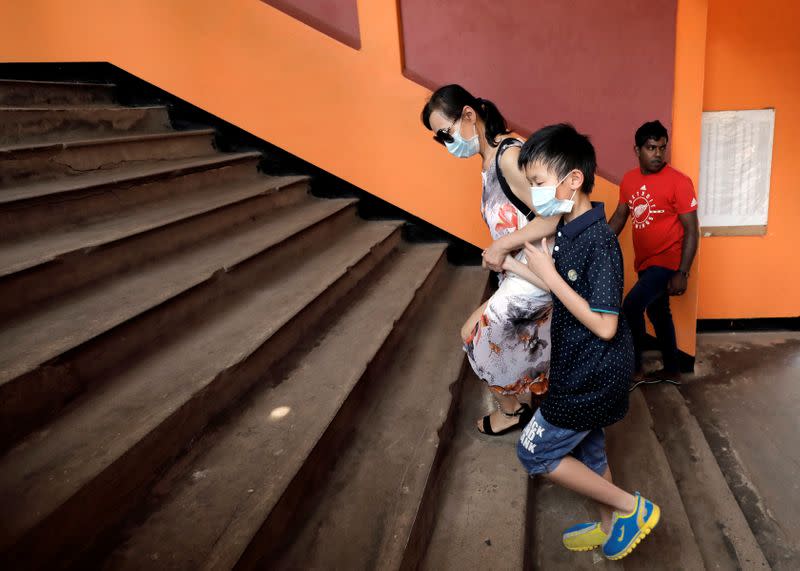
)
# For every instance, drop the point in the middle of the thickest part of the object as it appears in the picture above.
(592, 359)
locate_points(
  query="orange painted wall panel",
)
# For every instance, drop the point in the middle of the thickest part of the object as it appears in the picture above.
(753, 62)
(350, 112)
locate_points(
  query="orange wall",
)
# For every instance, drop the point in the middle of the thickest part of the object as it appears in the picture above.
(752, 62)
(350, 112)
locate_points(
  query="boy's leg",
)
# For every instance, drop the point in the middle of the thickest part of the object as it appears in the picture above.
(661, 318)
(573, 474)
(606, 513)
(592, 452)
(545, 449)
(652, 283)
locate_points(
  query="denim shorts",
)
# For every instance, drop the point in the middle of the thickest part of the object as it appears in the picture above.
(542, 446)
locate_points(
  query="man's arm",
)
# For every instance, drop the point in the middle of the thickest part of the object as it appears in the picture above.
(691, 236)
(619, 218)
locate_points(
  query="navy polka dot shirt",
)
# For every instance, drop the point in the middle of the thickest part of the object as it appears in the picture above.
(589, 377)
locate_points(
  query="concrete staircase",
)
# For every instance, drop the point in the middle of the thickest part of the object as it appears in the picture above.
(205, 367)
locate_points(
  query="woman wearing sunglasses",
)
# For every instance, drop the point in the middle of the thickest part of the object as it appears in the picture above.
(507, 339)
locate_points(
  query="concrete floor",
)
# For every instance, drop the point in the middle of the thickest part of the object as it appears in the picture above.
(746, 395)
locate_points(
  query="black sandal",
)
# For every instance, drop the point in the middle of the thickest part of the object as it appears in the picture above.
(524, 413)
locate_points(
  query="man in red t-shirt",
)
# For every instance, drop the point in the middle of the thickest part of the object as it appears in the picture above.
(663, 205)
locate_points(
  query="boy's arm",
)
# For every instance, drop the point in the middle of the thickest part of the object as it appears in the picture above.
(513, 265)
(534, 231)
(601, 322)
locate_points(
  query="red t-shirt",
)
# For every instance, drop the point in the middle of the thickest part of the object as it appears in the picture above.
(655, 200)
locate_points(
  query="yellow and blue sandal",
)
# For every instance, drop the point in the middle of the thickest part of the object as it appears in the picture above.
(584, 537)
(627, 531)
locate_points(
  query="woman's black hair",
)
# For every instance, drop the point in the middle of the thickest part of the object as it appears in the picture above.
(450, 101)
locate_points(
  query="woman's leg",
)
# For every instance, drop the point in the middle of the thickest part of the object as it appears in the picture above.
(472, 321)
(499, 421)
(525, 398)
(507, 404)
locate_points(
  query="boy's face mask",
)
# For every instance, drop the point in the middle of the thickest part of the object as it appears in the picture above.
(461, 147)
(545, 202)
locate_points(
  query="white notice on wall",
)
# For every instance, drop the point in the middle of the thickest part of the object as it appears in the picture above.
(735, 163)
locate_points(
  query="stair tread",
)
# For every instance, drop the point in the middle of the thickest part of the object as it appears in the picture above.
(32, 251)
(724, 536)
(54, 83)
(371, 499)
(124, 174)
(35, 338)
(638, 463)
(100, 139)
(245, 467)
(52, 465)
(481, 517)
(72, 107)
(556, 509)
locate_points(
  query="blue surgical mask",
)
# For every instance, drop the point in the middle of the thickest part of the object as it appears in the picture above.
(461, 147)
(545, 202)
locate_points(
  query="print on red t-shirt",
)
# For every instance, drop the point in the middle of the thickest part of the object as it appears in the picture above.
(655, 201)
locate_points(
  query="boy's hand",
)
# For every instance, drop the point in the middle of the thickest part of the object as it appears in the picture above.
(494, 256)
(511, 264)
(540, 261)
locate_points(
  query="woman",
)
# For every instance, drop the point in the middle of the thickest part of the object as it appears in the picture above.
(507, 339)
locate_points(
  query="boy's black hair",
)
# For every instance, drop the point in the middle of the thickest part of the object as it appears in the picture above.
(450, 100)
(562, 149)
(650, 130)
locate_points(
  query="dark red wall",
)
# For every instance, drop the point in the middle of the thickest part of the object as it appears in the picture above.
(337, 18)
(606, 66)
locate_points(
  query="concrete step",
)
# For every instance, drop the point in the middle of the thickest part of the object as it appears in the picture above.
(480, 518)
(77, 477)
(555, 509)
(56, 262)
(50, 355)
(23, 164)
(249, 474)
(25, 125)
(637, 463)
(746, 397)
(40, 207)
(375, 509)
(724, 537)
(21, 93)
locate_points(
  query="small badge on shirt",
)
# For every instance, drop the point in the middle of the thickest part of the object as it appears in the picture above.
(572, 275)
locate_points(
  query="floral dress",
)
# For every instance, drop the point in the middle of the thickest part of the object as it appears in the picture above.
(509, 348)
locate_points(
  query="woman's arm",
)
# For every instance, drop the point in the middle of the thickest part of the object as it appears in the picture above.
(534, 231)
(511, 264)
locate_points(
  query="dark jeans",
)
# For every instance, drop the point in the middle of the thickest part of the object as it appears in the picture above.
(650, 294)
